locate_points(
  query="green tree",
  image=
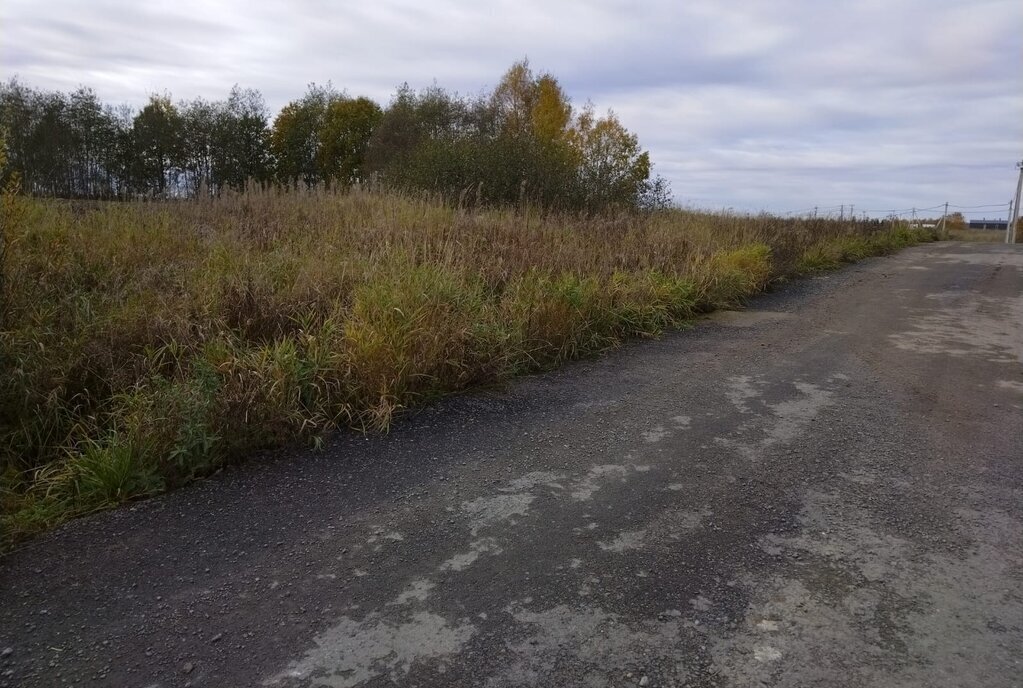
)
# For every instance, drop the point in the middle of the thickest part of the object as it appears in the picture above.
(513, 100)
(347, 127)
(198, 140)
(418, 141)
(523, 142)
(50, 145)
(551, 114)
(241, 153)
(157, 146)
(18, 116)
(534, 125)
(121, 159)
(295, 136)
(613, 170)
(532, 106)
(91, 134)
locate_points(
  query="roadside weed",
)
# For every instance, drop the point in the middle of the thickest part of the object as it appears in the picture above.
(149, 344)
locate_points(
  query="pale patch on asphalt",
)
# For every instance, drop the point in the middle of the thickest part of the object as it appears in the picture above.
(674, 523)
(535, 479)
(417, 591)
(740, 390)
(976, 325)
(477, 548)
(688, 520)
(624, 541)
(393, 536)
(1007, 258)
(655, 435)
(701, 603)
(660, 432)
(787, 420)
(354, 652)
(891, 599)
(793, 415)
(1011, 385)
(603, 646)
(585, 487)
(485, 512)
(769, 545)
(586, 588)
(675, 487)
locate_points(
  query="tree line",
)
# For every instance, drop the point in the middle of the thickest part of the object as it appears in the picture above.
(524, 141)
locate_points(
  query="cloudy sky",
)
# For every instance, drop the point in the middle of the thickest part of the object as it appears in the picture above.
(747, 104)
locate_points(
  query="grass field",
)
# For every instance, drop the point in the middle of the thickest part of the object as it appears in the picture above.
(147, 344)
(982, 235)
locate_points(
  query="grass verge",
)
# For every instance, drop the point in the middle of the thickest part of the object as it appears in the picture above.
(147, 344)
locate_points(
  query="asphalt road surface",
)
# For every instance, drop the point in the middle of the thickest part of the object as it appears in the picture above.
(824, 490)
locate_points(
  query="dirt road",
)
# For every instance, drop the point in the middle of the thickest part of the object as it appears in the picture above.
(825, 490)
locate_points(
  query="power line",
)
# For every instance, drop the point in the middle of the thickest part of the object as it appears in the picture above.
(903, 210)
(989, 205)
(835, 210)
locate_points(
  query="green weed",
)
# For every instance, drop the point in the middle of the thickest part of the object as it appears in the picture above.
(148, 344)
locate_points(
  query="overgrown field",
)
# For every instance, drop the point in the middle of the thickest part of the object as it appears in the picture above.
(146, 344)
(981, 235)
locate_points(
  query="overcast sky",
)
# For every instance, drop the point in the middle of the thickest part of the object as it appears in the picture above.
(772, 104)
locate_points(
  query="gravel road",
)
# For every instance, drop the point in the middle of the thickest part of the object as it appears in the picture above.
(823, 490)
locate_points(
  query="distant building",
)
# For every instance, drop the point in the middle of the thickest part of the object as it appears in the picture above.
(989, 224)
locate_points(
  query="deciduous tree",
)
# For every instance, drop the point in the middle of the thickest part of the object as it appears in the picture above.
(612, 167)
(344, 135)
(157, 144)
(295, 136)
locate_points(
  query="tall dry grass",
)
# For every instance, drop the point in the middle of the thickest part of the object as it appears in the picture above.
(147, 344)
(989, 236)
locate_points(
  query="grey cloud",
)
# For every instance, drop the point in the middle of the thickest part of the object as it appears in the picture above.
(747, 104)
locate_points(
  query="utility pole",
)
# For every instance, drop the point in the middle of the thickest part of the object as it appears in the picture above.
(943, 216)
(841, 213)
(815, 212)
(1010, 231)
(852, 214)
